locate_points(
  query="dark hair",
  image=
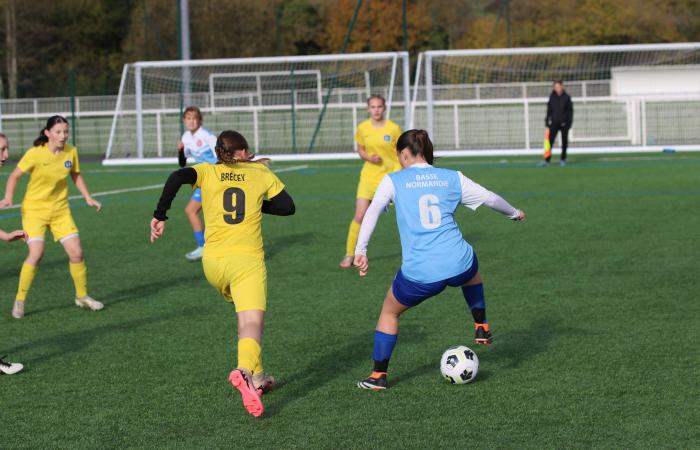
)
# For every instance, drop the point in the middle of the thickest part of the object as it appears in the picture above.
(559, 82)
(417, 142)
(53, 120)
(378, 97)
(3, 136)
(194, 110)
(227, 144)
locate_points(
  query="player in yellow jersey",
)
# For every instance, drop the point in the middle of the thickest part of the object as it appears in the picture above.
(45, 205)
(236, 191)
(376, 144)
(5, 366)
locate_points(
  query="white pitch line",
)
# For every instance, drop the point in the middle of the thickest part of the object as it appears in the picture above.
(152, 186)
(291, 168)
(104, 193)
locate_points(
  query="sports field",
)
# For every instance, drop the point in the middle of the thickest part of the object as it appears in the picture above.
(593, 301)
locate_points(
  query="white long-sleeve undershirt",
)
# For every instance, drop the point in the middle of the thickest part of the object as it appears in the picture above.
(473, 196)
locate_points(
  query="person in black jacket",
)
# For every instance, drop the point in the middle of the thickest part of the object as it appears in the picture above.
(560, 116)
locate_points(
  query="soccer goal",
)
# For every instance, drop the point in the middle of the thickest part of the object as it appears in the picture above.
(626, 97)
(299, 107)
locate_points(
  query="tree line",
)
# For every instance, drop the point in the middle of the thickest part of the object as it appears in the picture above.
(59, 47)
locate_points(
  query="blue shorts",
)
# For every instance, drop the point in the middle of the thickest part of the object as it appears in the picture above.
(197, 195)
(411, 293)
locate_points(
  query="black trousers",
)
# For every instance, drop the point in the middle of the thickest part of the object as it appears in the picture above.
(553, 130)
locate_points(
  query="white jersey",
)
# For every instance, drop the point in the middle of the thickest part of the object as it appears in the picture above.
(200, 145)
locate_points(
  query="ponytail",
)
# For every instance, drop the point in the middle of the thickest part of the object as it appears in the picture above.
(53, 120)
(418, 143)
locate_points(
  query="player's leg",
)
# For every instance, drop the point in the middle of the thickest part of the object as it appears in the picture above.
(192, 213)
(27, 273)
(564, 145)
(473, 290)
(361, 206)
(402, 295)
(248, 289)
(34, 224)
(78, 272)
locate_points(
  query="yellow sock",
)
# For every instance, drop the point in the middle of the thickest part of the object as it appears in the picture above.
(79, 273)
(249, 354)
(26, 277)
(259, 367)
(353, 232)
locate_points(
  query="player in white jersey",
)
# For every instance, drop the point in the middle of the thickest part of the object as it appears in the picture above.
(435, 255)
(197, 143)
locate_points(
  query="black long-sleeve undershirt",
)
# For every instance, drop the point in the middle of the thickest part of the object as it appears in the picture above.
(281, 204)
(181, 158)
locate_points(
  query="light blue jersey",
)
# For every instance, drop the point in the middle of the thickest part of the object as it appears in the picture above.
(426, 199)
(200, 145)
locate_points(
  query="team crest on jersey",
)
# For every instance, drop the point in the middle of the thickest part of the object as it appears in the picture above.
(387, 138)
(199, 142)
(68, 164)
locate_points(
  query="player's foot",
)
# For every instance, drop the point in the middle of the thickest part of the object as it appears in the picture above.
(88, 302)
(346, 262)
(8, 367)
(562, 163)
(18, 309)
(482, 335)
(263, 383)
(242, 380)
(543, 164)
(195, 255)
(376, 381)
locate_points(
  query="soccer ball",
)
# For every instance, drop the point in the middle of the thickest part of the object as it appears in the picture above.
(459, 365)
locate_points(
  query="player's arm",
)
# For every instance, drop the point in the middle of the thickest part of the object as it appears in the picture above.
(281, 204)
(12, 180)
(84, 191)
(362, 151)
(13, 235)
(181, 158)
(475, 195)
(382, 197)
(176, 179)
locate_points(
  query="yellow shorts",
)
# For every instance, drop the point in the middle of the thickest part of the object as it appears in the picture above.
(366, 189)
(60, 222)
(241, 279)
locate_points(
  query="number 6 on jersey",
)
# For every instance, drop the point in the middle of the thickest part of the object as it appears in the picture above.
(430, 216)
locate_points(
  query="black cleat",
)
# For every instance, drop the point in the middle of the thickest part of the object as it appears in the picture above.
(376, 382)
(482, 335)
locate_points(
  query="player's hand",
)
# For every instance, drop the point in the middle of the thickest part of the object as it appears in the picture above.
(376, 159)
(521, 216)
(94, 203)
(13, 235)
(180, 146)
(264, 161)
(5, 203)
(362, 264)
(157, 229)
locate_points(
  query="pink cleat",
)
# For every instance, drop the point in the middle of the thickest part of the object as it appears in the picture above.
(242, 380)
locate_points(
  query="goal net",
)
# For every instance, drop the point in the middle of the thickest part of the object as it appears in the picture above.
(298, 107)
(627, 97)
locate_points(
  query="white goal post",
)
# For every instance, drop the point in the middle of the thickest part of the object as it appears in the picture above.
(626, 97)
(295, 107)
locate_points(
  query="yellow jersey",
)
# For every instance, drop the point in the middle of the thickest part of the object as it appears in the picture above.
(232, 196)
(48, 188)
(382, 142)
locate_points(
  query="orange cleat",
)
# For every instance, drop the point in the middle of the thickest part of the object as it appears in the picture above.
(242, 380)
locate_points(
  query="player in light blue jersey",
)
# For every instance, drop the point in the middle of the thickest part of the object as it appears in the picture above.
(198, 143)
(435, 255)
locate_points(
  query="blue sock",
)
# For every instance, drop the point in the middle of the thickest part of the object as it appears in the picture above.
(199, 237)
(474, 295)
(383, 347)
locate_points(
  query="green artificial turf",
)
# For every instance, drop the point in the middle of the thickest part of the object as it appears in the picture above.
(593, 301)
